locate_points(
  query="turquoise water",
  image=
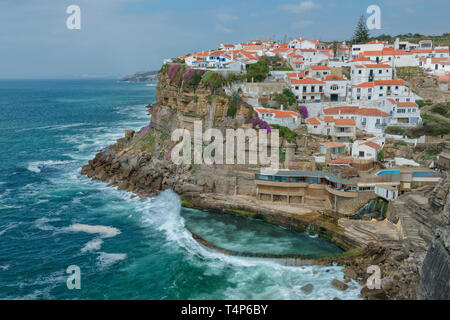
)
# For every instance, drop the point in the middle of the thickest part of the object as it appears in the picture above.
(253, 236)
(51, 217)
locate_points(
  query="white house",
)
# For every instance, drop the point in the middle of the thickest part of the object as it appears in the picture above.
(370, 72)
(300, 43)
(403, 113)
(357, 49)
(339, 129)
(441, 52)
(335, 88)
(379, 89)
(370, 120)
(283, 118)
(318, 72)
(366, 149)
(307, 89)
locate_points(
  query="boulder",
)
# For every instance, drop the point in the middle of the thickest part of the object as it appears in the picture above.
(307, 289)
(339, 285)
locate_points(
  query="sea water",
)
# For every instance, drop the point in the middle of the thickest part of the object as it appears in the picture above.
(52, 217)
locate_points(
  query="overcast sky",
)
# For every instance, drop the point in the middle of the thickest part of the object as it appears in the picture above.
(119, 37)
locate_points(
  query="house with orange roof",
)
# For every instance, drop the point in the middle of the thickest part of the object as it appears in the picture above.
(300, 43)
(441, 52)
(341, 130)
(319, 71)
(358, 49)
(376, 91)
(281, 117)
(307, 89)
(405, 114)
(369, 72)
(436, 66)
(370, 120)
(368, 149)
(336, 88)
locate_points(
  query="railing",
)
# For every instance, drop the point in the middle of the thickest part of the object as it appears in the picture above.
(342, 193)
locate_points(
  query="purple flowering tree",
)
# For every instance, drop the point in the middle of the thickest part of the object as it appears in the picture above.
(304, 112)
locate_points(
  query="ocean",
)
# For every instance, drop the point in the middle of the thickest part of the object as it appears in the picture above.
(52, 217)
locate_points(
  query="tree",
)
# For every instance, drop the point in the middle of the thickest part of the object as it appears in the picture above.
(361, 34)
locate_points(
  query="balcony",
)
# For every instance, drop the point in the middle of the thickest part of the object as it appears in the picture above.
(341, 193)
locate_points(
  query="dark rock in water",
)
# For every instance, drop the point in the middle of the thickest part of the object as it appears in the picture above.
(373, 294)
(307, 289)
(339, 285)
(336, 298)
(350, 273)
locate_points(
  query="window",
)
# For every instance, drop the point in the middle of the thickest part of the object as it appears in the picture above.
(381, 95)
(312, 88)
(296, 87)
(380, 71)
(381, 87)
(361, 153)
(396, 87)
(369, 97)
(315, 127)
(358, 98)
(359, 71)
(370, 90)
(304, 97)
(358, 90)
(312, 97)
(320, 89)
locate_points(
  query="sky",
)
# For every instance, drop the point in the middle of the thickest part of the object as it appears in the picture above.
(119, 37)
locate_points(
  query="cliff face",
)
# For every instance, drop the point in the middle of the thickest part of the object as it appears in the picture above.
(140, 162)
(435, 271)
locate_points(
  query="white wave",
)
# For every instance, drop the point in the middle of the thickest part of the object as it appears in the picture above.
(106, 260)
(9, 226)
(4, 267)
(54, 127)
(37, 166)
(43, 224)
(103, 231)
(280, 282)
(93, 245)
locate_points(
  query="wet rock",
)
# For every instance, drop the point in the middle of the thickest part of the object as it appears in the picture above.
(307, 289)
(339, 285)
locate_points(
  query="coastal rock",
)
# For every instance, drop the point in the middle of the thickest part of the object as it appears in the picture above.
(339, 285)
(307, 289)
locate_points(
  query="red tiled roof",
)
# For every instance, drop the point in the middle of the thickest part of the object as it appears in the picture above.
(422, 51)
(379, 65)
(333, 78)
(342, 109)
(278, 113)
(341, 161)
(372, 144)
(313, 121)
(306, 81)
(441, 50)
(332, 144)
(372, 112)
(345, 122)
(407, 104)
(319, 68)
(361, 58)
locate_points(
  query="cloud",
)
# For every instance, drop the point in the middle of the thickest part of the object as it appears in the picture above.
(409, 10)
(225, 17)
(301, 7)
(301, 24)
(222, 29)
